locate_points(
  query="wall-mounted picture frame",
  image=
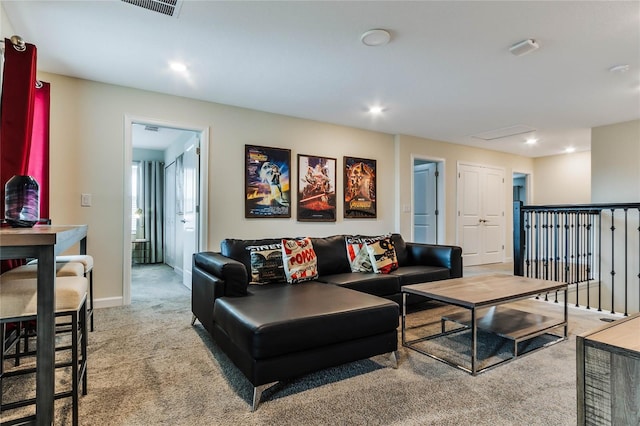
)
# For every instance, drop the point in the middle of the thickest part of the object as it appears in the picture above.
(360, 188)
(267, 182)
(316, 189)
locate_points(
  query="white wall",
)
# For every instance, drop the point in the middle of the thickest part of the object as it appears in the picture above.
(562, 179)
(87, 156)
(615, 163)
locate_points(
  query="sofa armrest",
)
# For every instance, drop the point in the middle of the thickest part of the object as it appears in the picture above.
(437, 255)
(232, 273)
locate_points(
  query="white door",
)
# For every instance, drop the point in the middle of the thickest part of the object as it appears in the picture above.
(170, 215)
(191, 173)
(480, 214)
(424, 203)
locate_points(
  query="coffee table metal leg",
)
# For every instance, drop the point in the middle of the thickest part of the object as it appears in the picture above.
(474, 341)
(404, 316)
(566, 313)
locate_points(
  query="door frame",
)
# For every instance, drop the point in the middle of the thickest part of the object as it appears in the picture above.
(129, 120)
(440, 197)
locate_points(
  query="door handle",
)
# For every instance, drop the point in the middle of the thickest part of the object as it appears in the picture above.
(483, 220)
(183, 220)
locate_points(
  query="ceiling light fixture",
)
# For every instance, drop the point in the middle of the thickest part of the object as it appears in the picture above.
(569, 150)
(376, 110)
(375, 37)
(524, 47)
(531, 141)
(178, 66)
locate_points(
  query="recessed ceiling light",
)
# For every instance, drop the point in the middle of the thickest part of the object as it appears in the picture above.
(619, 68)
(569, 150)
(376, 110)
(178, 66)
(531, 141)
(375, 37)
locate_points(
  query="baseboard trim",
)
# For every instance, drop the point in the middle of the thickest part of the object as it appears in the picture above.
(108, 302)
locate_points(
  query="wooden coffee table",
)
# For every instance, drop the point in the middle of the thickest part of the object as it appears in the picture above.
(482, 292)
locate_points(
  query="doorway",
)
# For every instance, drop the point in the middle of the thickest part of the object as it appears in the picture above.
(520, 187)
(185, 152)
(427, 196)
(481, 196)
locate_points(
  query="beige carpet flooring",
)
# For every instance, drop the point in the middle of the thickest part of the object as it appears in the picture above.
(149, 366)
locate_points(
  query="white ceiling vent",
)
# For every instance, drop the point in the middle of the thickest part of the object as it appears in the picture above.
(165, 7)
(504, 132)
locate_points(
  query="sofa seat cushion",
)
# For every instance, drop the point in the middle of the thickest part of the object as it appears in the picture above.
(366, 282)
(282, 318)
(420, 274)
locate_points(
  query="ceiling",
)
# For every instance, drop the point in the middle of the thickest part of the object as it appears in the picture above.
(447, 73)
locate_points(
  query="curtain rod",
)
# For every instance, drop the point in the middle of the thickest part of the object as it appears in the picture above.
(17, 42)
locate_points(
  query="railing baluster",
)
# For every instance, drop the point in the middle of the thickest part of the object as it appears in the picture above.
(626, 262)
(613, 258)
(600, 261)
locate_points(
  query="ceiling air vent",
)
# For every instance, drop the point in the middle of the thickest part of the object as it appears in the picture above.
(504, 132)
(166, 7)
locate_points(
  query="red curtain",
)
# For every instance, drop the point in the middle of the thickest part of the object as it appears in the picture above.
(24, 124)
(18, 100)
(38, 161)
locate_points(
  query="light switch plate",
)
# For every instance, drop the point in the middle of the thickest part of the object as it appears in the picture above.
(85, 200)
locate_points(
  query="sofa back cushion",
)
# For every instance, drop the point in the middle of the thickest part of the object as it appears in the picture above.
(331, 252)
(332, 255)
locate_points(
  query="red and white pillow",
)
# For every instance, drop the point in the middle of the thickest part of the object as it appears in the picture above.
(382, 254)
(299, 259)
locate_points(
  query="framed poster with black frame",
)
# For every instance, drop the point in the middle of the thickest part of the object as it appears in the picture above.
(316, 189)
(359, 188)
(267, 182)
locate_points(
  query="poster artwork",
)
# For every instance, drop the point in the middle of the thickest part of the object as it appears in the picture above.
(359, 188)
(267, 182)
(316, 188)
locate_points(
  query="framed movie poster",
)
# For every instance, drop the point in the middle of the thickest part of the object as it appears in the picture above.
(359, 188)
(267, 182)
(316, 188)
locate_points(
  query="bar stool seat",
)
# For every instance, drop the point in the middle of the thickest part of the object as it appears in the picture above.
(87, 262)
(18, 302)
(68, 269)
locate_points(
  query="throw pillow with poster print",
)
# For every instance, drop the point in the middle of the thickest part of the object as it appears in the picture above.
(383, 256)
(358, 255)
(266, 264)
(299, 259)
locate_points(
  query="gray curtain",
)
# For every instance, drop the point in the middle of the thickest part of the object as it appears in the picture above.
(151, 201)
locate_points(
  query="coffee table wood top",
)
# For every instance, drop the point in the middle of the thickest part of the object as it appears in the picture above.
(483, 290)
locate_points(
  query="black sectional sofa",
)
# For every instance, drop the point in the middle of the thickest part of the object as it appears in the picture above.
(278, 331)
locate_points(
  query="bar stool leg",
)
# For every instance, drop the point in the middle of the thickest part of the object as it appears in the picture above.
(91, 297)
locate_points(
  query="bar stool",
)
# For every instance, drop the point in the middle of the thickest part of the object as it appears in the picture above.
(70, 269)
(18, 302)
(87, 262)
